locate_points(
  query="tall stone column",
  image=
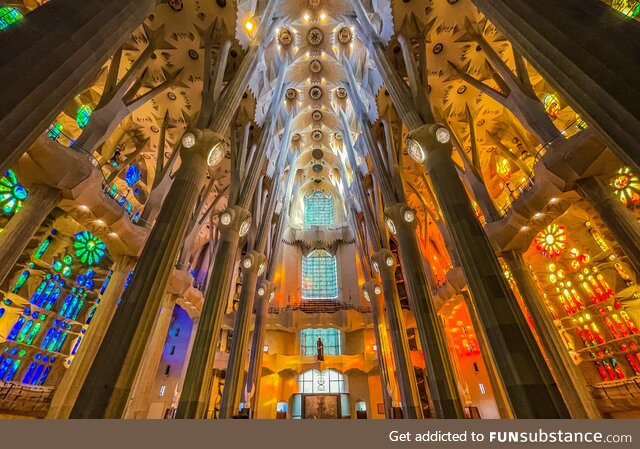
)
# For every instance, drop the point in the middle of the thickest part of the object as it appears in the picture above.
(254, 373)
(401, 221)
(139, 406)
(567, 374)
(20, 229)
(253, 265)
(384, 263)
(589, 53)
(388, 383)
(524, 372)
(69, 388)
(621, 222)
(234, 224)
(110, 377)
(62, 45)
(499, 393)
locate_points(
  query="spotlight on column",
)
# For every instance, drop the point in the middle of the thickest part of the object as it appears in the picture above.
(377, 289)
(215, 155)
(443, 135)
(188, 140)
(271, 296)
(391, 226)
(375, 266)
(415, 151)
(389, 261)
(225, 218)
(244, 227)
(247, 262)
(261, 268)
(261, 291)
(250, 26)
(366, 295)
(409, 215)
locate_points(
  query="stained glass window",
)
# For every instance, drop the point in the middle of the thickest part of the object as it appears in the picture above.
(9, 16)
(55, 131)
(133, 175)
(330, 341)
(318, 209)
(630, 8)
(328, 381)
(12, 193)
(89, 248)
(319, 276)
(83, 115)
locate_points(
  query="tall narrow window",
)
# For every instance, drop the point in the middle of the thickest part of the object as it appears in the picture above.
(330, 340)
(318, 209)
(319, 276)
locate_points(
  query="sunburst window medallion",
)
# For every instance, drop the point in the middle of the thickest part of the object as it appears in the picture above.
(315, 36)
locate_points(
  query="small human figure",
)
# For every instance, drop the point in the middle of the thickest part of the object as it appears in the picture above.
(320, 347)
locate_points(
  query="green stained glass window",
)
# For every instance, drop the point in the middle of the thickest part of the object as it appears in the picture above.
(330, 340)
(630, 8)
(318, 209)
(319, 276)
(9, 16)
(83, 115)
(12, 193)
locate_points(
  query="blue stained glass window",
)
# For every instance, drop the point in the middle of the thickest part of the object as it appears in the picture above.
(319, 276)
(9, 16)
(133, 175)
(318, 209)
(330, 340)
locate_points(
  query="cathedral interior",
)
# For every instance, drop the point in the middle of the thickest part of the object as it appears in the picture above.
(319, 209)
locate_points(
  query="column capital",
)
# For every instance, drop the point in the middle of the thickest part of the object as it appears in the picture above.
(266, 290)
(253, 261)
(398, 215)
(203, 143)
(371, 289)
(383, 259)
(429, 139)
(234, 220)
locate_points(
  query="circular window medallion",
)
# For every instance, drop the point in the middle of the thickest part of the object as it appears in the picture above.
(316, 115)
(317, 153)
(315, 92)
(285, 37)
(315, 66)
(172, 96)
(461, 89)
(316, 135)
(291, 94)
(176, 5)
(155, 129)
(315, 36)
(338, 137)
(193, 54)
(317, 168)
(345, 35)
(341, 93)
(437, 49)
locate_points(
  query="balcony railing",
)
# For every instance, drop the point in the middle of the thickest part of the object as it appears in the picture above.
(23, 400)
(315, 306)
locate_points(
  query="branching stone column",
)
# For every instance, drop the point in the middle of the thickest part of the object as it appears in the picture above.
(234, 224)
(401, 221)
(253, 265)
(69, 388)
(21, 228)
(384, 263)
(589, 52)
(119, 357)
(254, 373)
(139, 405)
(59, 62)
(372, 292)
(526, 377)
(621, 222)
(567, 374)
